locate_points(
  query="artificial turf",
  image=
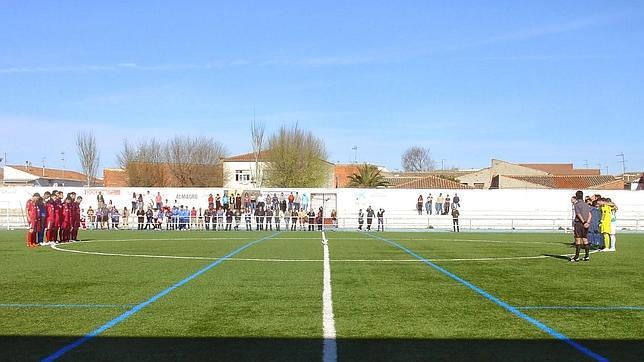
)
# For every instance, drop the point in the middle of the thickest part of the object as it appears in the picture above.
(265, 303)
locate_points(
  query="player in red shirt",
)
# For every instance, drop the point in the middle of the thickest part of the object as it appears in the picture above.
(33, 219)
(66, 224)
(77, 216)
(50, 229)
(59, 216)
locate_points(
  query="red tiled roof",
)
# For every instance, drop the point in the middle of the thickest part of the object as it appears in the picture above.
(429, 182)
(573, 182)
(51, 173)
(562, 169)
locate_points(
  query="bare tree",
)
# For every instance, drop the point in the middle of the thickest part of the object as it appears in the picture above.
(88, 154)
(296, 159)
(143, 163)
(195, 161)
(257, 141)
(417, 159)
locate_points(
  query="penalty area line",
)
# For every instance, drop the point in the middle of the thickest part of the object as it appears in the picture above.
(98, 331)
(540, 325)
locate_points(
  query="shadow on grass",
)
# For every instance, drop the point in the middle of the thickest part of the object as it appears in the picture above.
(309, 349)
(562, 257)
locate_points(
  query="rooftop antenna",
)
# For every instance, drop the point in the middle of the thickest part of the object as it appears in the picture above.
(43, 165)
(586, 164)
(355, 154)
(62, 158)
(623, 162)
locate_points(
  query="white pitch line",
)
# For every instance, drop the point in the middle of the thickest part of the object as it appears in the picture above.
(329, 347)
(275, 260)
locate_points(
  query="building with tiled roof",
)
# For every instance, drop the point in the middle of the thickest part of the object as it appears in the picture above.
(428, 182)
(561, 182)
(42, 176)
(507, 175)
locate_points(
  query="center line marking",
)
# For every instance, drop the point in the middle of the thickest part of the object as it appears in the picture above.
(329, 348)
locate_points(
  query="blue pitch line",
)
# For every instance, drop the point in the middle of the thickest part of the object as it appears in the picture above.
(582, 308)
(61, 352)
(33, 305)
(557, 335)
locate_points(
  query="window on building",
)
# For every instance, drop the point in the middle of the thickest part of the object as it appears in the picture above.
(479, 185)
(242, 175)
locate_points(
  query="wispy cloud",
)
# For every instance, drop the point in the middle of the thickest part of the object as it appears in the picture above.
(544, 30)
(321, 61)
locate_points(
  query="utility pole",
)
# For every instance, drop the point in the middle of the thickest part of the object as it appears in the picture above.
(355, 154)
(443, 164)
(623, 162)
(585, 164)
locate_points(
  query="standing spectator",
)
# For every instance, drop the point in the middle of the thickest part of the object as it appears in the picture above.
(238, 216)
(193, 219)
(126, 218)
(253, 201)
(134, 202)
(334, 219)
(305, 201)
(370, 215)
(248, 217)
(275, 201)
(360, 219)
(455, 215)
(419, 205)
(149, 216)
(229, 219)
(220, 218)
(287, 218)
(238, 202)
(211, 201)
(139, 201)
(320, 218)
(428, 204)
(91, 215)
(140, 215)
(115, 218)
(294, 216)
(302, 219)
(160, 217)
(311, 215)
(291, 199)
(297, 202)
(207, 214)
(446, 205)
(225, 201)
(159, 201)
(246, 201)
(381, 219)
(217, 202)
(439, 204)
(269, 219)
(200, 225)
(259, 216)
(100, 200)
(457, 200)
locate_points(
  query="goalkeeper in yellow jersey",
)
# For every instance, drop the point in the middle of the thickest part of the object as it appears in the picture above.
(607, 223)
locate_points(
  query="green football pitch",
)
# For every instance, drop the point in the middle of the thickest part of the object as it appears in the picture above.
(206, 295)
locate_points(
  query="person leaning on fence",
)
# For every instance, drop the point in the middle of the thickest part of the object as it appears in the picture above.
(455, 215)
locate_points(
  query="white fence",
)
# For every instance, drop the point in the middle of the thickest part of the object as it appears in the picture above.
(480, 209)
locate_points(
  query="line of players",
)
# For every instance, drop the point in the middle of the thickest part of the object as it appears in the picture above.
(53, 218)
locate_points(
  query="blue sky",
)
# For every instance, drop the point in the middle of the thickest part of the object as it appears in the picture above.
(541, 81)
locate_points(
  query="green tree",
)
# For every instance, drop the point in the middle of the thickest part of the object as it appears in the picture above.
(368, 176)
(296, 158)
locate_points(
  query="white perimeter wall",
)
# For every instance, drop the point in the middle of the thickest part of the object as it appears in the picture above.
(536, 208)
